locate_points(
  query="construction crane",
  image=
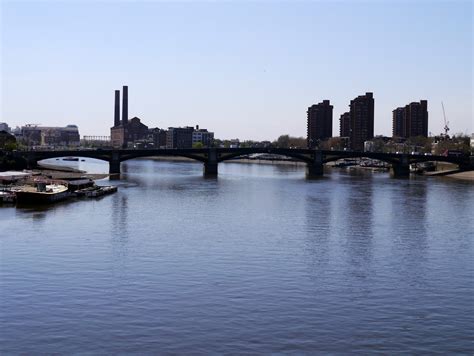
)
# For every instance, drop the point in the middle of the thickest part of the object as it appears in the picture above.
(446, 123)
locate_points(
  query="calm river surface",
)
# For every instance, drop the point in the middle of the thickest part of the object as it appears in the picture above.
(259, 260)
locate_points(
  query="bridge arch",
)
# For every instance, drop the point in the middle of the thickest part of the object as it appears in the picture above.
(297, 156)
(126, 157)
(386, 160)
(105, 159)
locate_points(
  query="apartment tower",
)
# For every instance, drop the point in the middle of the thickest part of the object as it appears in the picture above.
(319, 123)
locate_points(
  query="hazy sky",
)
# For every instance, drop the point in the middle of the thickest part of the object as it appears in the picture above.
(241, 69)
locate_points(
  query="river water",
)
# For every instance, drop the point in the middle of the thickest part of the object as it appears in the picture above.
(259, 260)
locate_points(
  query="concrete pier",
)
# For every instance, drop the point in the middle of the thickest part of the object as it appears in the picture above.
(211, 164)
(114, 163)
(210, 169)
(315, 169)
(402, 169)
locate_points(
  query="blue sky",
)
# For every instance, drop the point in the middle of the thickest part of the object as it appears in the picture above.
(241, 69)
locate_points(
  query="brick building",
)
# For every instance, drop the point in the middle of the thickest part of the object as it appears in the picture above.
(179, 137)
(345, 125)
(362, 121)
(32, 135)
(126, 131)
(411, 120)
(319, 124)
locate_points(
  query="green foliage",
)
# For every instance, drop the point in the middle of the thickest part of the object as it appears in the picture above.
(287, 141)
(198, 145)
(456, 143)
(10, 163)
(10, 146)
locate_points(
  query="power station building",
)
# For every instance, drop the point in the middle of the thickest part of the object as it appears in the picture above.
(124, 131)
(134, 134)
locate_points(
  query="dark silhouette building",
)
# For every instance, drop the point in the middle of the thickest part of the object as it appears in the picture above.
(345, 125)
(125, 131)
(362, 121)
(417, 119)
(411, 120)
(398, 122)
(319, 123)
(158, 137)
(179, 137)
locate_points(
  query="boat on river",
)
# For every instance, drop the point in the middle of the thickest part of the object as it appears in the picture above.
(7, 197)
(95, 191)
(42, 192)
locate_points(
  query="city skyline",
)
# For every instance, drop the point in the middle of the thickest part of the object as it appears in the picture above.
(251, 72)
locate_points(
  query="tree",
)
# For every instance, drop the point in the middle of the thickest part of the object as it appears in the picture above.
(419, 143)
(297, 142)
(283, 141)
(198, 145)
(458, 142)
(10, 146)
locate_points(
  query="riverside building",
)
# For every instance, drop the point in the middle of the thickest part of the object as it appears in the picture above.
(48, 136)
(124, 131)
(179, 137)
(345, 125)
(4, 127)
(411, 120)
(319, 126)
(361, 120)
(202, 136)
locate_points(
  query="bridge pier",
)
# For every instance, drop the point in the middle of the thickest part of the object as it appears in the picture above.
(315, 169)
(114, 163)
(401, 169)
(210, 169)
(211, 165)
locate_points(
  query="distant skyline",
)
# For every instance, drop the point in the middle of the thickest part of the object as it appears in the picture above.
(241, 69)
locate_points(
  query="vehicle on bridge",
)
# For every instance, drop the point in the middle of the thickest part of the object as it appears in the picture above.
(454, 153)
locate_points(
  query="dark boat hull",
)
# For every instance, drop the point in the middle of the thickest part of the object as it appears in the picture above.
(40, 198)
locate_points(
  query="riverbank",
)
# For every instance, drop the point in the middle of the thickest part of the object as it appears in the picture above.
(465, 176)
(66, 175)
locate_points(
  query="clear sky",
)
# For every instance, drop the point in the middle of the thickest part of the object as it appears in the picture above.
(241, 69)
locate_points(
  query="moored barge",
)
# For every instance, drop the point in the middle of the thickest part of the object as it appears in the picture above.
(42, 192)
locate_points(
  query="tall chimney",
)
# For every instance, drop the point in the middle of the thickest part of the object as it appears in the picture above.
(125, 105)
(117, 109)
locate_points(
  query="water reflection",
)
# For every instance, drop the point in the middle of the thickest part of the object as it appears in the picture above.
(120, 217)
(358, 244)
(408, 225)
(318, 210)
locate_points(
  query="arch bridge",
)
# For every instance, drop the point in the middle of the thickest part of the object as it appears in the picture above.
(211, 157)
